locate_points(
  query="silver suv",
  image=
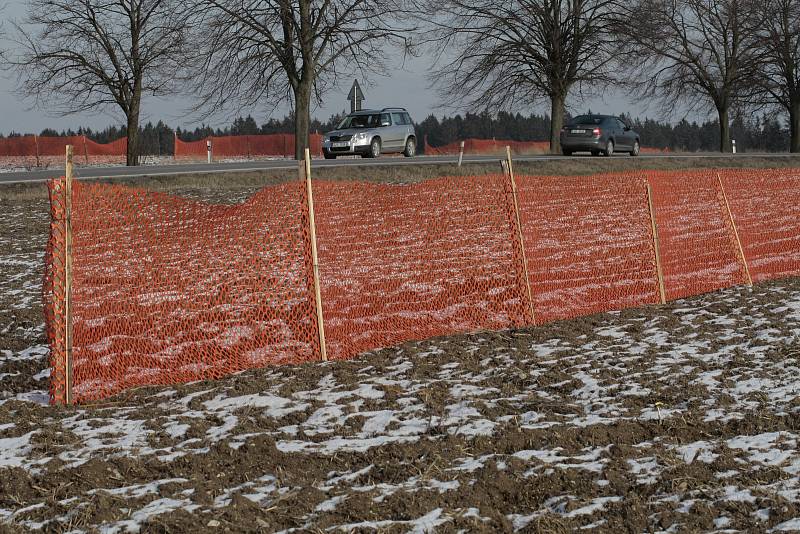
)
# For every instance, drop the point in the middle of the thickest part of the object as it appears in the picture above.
(371, 132)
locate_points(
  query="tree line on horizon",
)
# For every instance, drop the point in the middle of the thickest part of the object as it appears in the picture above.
(764, 133)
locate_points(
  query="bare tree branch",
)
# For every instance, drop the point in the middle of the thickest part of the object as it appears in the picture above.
(780, 70)
(266, 52)
(698, 52)
(85, 55)
(519, 52)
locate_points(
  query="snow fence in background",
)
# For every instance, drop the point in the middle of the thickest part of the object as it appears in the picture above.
(243, 146)
(171, 290)
(31, 151)
(498, 146)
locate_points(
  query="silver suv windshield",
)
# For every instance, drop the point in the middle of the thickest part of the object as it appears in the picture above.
(361, 121)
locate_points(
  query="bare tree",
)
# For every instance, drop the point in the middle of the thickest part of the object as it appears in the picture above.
(520, 52)
(781, 66)
(267, 52)
(692, 53)
(87, 55)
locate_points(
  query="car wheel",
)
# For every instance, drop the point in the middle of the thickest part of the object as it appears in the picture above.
(636, 148)
(609, 151)
(566, 152)
(411, 148)
(374, 148)
(329, 156)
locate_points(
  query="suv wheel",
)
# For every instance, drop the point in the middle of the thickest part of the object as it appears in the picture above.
(411, 148)
(374, 148)
(609, 151)
(636, 148)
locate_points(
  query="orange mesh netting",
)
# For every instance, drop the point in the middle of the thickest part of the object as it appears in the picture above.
(766, 208)
(588, 242)
(32, 150)
(170, 290)
(415, 261)
(697, 242)
(487, 146)
(247, 146)
(24, 146)
(492, 146)
(54, 291)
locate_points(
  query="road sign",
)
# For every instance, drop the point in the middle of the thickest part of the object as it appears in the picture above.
(355, 97)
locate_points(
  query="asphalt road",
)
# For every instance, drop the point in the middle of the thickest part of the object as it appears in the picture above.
(199, 168)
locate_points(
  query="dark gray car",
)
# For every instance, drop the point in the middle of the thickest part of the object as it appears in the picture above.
(372, 132)
(599, 134)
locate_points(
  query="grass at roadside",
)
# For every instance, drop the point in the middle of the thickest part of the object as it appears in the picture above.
(252, 180)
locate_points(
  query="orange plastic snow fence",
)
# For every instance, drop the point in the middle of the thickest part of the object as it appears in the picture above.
(699, 252)
(415, 261)
(33, 150)
(243, 146)
(170, 290)
(494, 146)
(589, 244)
(487, 146)
(766, 208)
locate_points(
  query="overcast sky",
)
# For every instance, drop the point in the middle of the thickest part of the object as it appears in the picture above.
(406, 87)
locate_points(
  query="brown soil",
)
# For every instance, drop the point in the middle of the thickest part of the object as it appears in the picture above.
(393, 483)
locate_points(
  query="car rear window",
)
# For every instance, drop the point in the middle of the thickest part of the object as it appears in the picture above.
(587, 119)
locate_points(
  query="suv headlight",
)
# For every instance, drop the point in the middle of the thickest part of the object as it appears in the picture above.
(360, 136)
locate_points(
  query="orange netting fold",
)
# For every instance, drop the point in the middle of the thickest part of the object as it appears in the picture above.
(414, 261)
(589, 244)
(246, 146)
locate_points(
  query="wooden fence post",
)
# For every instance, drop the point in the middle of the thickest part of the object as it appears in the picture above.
(461, 154)
(656, 247)
(85, 150)
(36, 142)
(735, 231)
(304, 168)
(68, 274)
(508, 168)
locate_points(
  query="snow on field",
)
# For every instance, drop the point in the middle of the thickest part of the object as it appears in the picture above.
(675, 418)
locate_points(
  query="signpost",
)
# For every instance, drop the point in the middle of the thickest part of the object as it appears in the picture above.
(356, 96)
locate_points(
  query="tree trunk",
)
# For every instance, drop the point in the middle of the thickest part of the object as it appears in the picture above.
(302, 111)
(724, 130)
(556, 122)
(132, 156)
(794, 125)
